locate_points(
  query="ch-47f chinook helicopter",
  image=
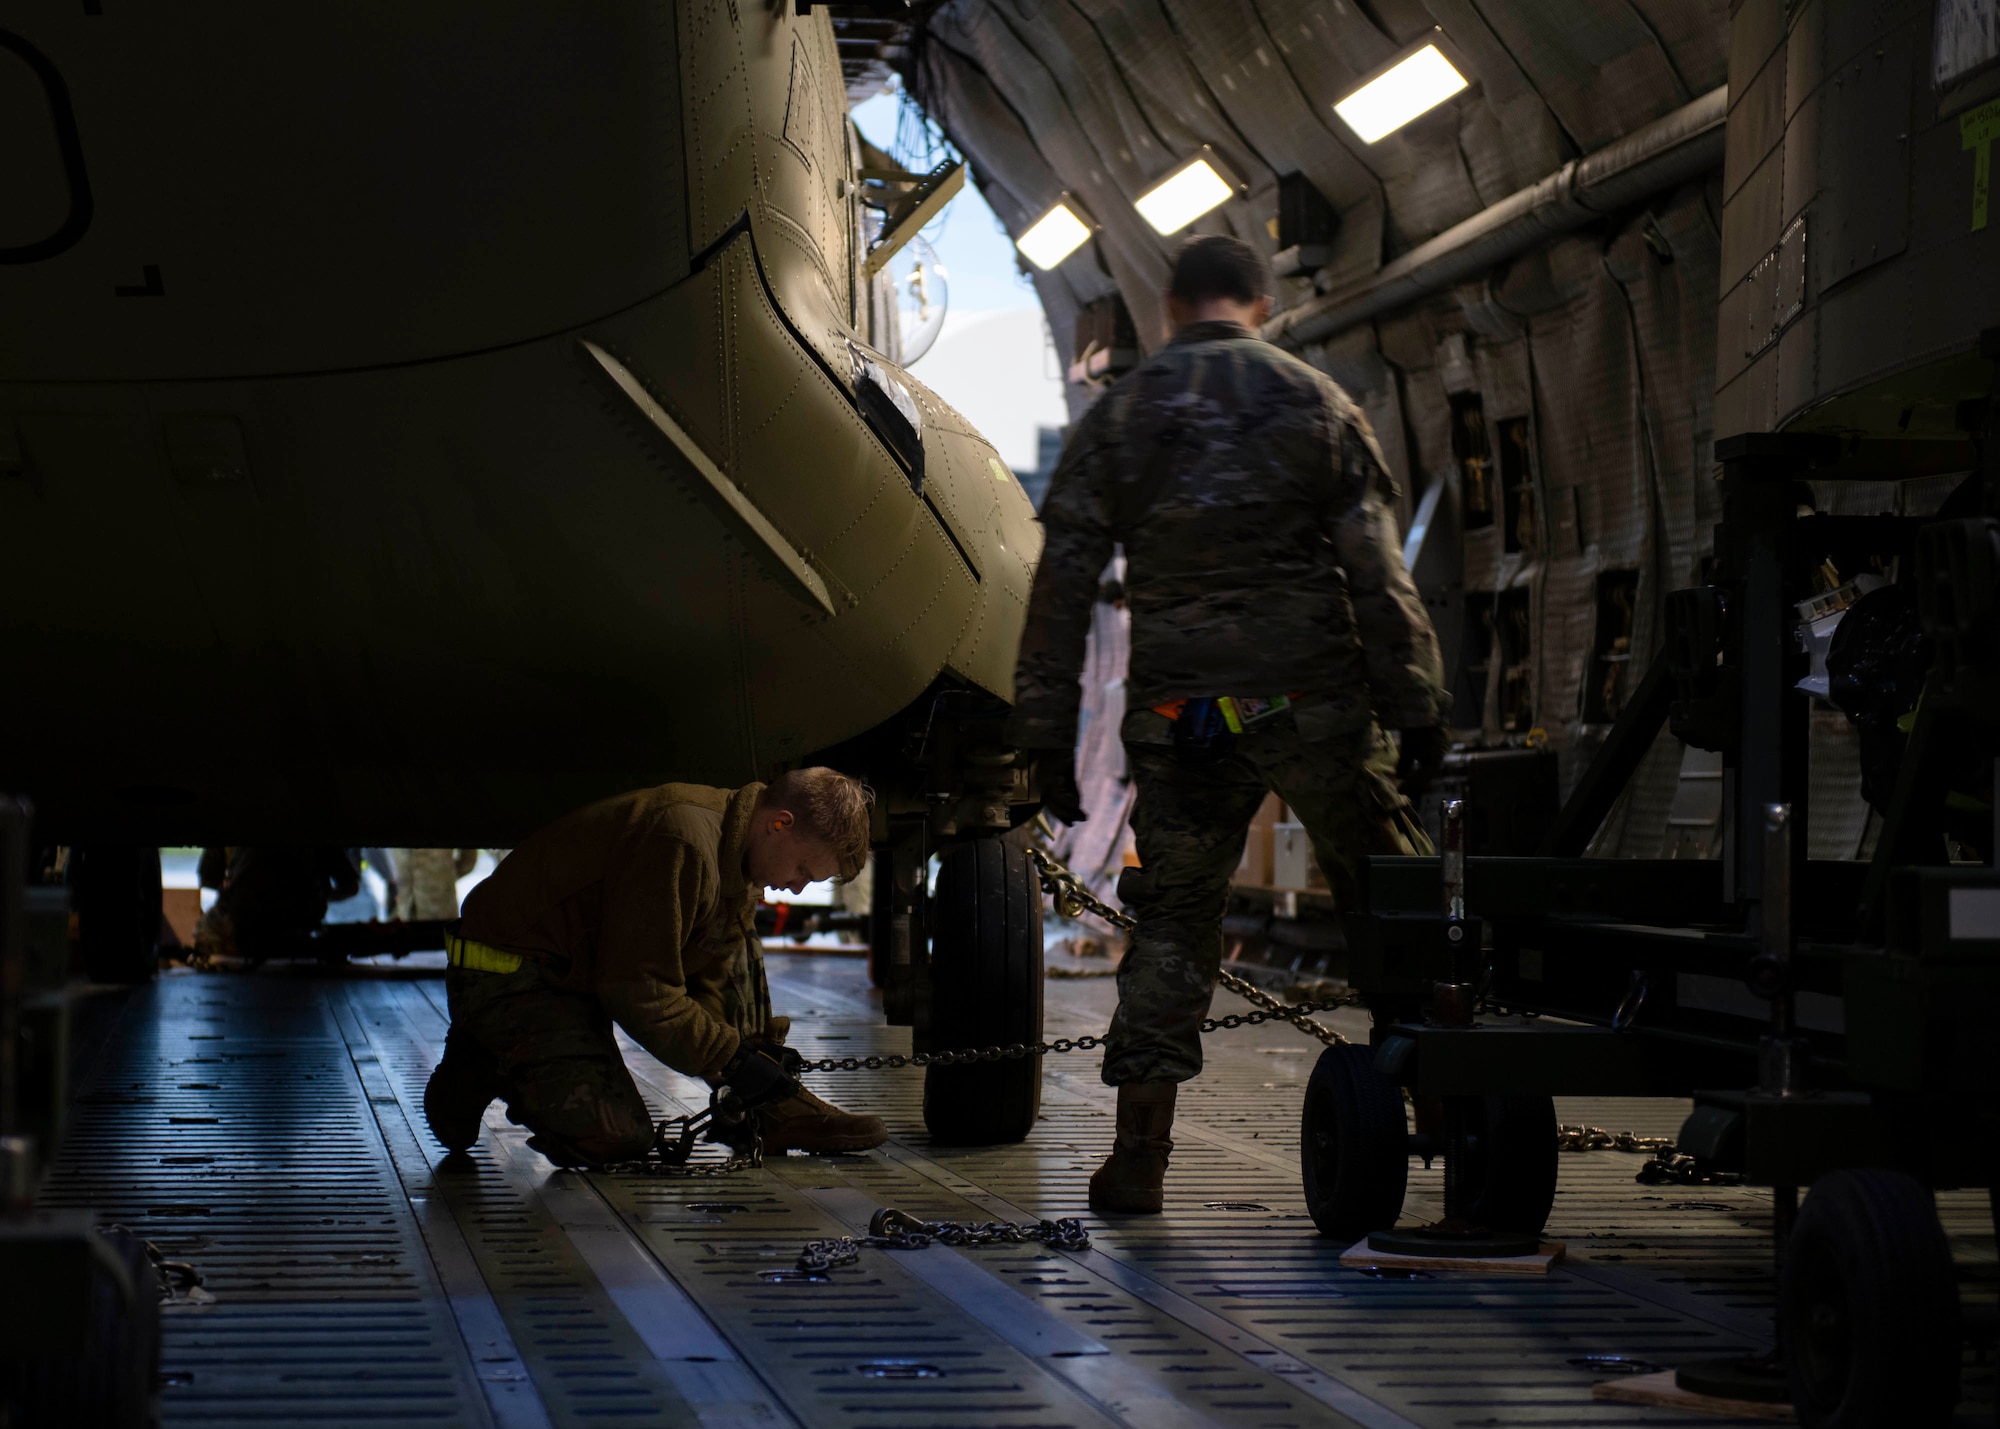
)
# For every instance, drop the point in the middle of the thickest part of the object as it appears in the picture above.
(416, 421)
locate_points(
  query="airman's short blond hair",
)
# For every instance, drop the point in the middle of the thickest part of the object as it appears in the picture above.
(834, 808)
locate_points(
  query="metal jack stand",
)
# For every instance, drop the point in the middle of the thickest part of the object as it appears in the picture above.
(17, 1152)
(84, 1348)
(1693, 977)
(1781, 1062)
(1454, 1001)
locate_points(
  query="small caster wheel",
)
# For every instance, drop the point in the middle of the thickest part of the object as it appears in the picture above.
(1353, 1145)
(1868, 1305)
(1500, 1161)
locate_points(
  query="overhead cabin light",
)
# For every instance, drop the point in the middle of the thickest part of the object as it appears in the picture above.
(1197, 186)
(1054, 236)
(1413, 85)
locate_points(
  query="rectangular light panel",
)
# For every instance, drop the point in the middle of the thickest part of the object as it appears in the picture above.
(1183, 196)
(1055, 235)
(1396, 96)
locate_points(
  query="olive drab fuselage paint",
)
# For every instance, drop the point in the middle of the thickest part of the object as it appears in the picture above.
(520, 370)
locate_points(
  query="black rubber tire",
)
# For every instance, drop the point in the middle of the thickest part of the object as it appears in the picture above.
(112, 1380)
(1506, 1172)
(986, 991)
(1354, 1145)
(115, 890)
(1868, 1305)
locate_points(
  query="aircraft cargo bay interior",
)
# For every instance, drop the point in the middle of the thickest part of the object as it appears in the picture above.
(1187, 714)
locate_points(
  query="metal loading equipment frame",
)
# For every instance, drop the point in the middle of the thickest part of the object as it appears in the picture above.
(1834, 1022)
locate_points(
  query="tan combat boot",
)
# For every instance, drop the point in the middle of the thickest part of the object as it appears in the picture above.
(802, 1122)
(1133, 1177)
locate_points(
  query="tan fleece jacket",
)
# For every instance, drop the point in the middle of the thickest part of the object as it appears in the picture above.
(641, 901)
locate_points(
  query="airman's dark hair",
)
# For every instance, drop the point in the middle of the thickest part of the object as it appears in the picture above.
(1214, 265)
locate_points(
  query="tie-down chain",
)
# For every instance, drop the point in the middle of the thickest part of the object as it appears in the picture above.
(1071, 898)
(674, 1139)
(892, 1229)
(672, 1149)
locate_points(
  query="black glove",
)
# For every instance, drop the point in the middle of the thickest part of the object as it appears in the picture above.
(1422, 756)
(1055, 776)
(760, 1073)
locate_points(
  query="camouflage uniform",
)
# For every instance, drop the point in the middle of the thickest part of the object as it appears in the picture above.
(427, 880)
(636, 912)
(270, 898)
(1189, 819)
(556, 1058)
(1262, 559)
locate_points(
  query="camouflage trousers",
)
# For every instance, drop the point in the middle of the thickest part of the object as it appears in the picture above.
(552, 1053)
(1190, 818)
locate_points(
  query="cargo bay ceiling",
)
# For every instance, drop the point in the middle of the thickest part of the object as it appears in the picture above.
(1520, 287)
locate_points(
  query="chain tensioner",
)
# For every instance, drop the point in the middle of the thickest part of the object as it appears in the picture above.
(674, 1142)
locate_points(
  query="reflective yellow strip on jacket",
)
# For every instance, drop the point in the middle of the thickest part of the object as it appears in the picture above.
(464, 953)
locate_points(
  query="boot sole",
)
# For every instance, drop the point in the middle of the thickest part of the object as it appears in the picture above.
(826, 1145)
(438, 1121)
(1150, 1208)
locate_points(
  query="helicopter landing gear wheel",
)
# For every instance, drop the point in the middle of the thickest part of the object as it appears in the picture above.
(986, 991)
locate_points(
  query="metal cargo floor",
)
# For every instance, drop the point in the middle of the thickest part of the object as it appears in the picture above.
(268, 1127)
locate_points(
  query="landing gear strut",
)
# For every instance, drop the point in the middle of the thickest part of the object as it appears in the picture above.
(116, 893)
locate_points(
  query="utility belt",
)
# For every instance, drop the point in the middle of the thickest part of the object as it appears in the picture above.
(476, 956)
(1209, 725)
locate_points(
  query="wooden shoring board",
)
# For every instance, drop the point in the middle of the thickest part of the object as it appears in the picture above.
(1659, 1391)
(1359, 1257)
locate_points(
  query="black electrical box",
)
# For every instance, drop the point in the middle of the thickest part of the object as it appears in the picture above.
(1107, 343)
(1511, 798)
(1306, 226)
